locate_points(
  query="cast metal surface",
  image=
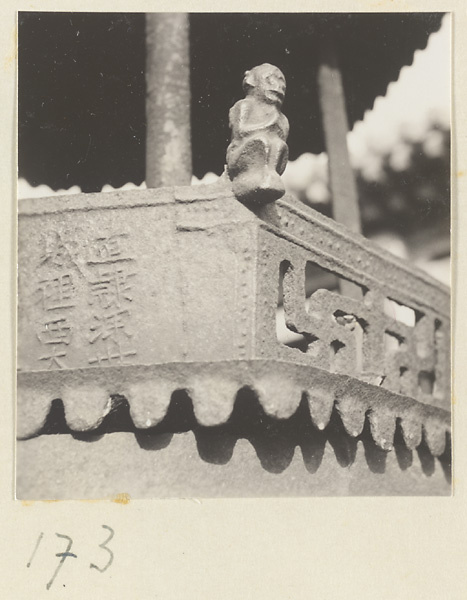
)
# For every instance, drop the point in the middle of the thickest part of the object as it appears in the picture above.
(213, 388)
(212, 463)
(257, 155)
(144, 293)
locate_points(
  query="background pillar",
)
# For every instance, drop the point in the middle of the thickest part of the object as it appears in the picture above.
(168, 137)
(332, 102)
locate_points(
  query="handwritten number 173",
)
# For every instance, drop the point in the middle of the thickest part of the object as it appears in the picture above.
(68, 554)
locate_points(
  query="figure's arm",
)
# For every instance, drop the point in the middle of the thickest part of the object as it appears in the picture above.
(238, 119)
(234, 116)
(242, 123)
(284, 127)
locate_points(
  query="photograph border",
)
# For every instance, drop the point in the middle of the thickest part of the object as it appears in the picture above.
(329, 547)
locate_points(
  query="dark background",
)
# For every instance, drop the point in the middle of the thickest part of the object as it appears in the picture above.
(82, 84)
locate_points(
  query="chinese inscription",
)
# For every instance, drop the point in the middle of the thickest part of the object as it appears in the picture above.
(107, 269)
(55, 296)
(110, 294)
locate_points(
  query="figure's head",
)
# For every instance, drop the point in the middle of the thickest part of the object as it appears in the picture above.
(267, 82)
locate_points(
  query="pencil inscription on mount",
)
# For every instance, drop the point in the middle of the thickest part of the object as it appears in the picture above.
(257, 155)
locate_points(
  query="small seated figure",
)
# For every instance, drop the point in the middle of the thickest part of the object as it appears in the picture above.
(257, 154)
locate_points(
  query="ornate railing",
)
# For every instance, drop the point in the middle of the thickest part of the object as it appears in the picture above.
(142, 293)
(393, 331)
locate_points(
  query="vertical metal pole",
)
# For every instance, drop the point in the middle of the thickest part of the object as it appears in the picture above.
(168, 136)
(344, 194)
(332, 101)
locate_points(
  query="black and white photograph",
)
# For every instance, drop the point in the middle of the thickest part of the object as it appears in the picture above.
(233, 255)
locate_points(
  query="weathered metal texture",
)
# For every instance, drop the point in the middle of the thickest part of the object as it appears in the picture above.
(257, 155)
(213, 388)
(168, 138)
(220, 464)
(345, 207)
(144, 293)
(366, 339)
(135, 278)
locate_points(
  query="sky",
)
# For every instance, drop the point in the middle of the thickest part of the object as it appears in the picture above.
(421, 94)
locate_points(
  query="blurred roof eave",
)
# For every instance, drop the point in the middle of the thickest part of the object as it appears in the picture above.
(82, 87)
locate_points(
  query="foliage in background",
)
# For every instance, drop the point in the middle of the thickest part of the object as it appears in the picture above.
(413, 191)
(406, 191)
